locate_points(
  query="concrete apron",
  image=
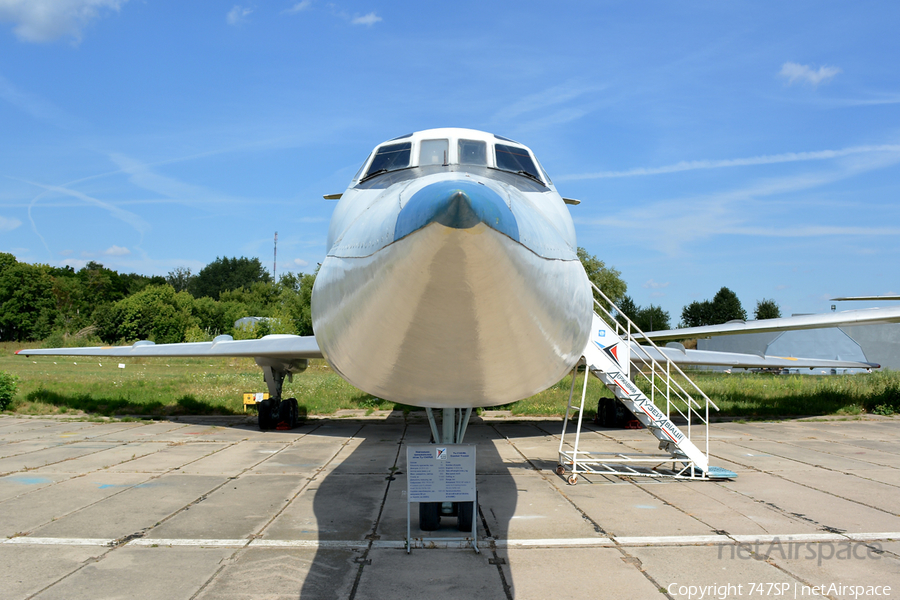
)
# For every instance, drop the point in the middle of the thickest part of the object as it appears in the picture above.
(194, 510)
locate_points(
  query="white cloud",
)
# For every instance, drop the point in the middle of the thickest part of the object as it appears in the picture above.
(805, 73)
(368, 20)
(299, 7)
(655, 284)
(768, 159)
(65, 252)
(300, 262)
(48, 20)
(238, 15)
(116, 251)
(7, 224)
(75, 263)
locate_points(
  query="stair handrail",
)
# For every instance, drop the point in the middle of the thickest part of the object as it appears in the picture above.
(654, 364)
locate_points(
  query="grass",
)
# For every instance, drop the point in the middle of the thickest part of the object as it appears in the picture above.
(163, 387)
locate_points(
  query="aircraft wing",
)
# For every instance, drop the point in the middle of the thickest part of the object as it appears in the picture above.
(271, 346)
(679, 355)
(866, 316)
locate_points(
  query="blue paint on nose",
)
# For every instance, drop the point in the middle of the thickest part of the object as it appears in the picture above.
(456, 204)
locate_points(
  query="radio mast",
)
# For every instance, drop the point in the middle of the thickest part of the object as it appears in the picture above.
(275, 258)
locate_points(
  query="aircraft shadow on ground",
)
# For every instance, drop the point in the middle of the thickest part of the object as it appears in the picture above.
(358, 497)
(361, 497)
(121, 406)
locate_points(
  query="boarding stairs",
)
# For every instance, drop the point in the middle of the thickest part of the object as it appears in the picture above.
(614, 356)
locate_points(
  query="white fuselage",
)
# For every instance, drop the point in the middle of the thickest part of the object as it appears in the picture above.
(451, 285)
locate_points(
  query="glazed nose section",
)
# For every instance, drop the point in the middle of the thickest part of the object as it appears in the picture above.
(458, 205)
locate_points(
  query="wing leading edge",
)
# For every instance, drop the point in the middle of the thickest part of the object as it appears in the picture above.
(286, 347)
(866, 316)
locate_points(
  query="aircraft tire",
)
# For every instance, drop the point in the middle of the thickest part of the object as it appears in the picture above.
(287, 414)
(264, 409)
(603, 411)
(429, 516)
(466, 512)
(295, 412)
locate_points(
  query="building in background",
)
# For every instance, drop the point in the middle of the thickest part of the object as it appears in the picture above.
(867, 343)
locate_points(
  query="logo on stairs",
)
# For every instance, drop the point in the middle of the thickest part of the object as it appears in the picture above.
(611, 351)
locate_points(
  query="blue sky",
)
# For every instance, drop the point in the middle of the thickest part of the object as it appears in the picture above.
(749, 144)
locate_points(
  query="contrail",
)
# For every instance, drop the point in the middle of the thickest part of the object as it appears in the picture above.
(767, 159)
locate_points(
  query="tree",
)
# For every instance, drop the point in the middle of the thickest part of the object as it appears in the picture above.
(102, 284)
(696, 314)
(7, 260)
(767, 309)
(225, 274)
(627, 308)
(297, 299)
(135, 282)
(606, 278)
(261, 297)
(651, 318)
(157, 313)
(27, 307)
(72, 308)
(180, 278)
(724, 307)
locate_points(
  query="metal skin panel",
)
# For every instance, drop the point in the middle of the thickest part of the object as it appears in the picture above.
(452, 318)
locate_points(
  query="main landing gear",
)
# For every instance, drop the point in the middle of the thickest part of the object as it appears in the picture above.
(276, 413)
(453, 429)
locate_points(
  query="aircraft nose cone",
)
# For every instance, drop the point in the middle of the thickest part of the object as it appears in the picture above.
(458, 205)
(458, 212)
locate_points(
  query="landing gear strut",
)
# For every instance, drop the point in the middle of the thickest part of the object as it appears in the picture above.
(276, 413)
(453, 429)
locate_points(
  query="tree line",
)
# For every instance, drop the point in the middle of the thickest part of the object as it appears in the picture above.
(96, 304)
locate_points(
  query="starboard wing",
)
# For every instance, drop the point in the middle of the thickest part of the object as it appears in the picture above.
(866, 316)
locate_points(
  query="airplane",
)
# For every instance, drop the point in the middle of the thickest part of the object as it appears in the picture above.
(876, 298)
(451, 282)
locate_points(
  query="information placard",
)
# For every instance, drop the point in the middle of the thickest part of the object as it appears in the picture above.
(440, 473)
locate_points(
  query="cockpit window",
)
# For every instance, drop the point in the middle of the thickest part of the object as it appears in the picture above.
(517, 160)
(433, 152)
(390, 158)
(543, 171)
(361, 167)
(472, 152)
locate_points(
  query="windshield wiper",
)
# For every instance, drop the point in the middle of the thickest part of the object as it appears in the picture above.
(531, 176)
(373, 174)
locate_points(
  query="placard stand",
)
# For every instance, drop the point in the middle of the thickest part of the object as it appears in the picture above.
(441, 473)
